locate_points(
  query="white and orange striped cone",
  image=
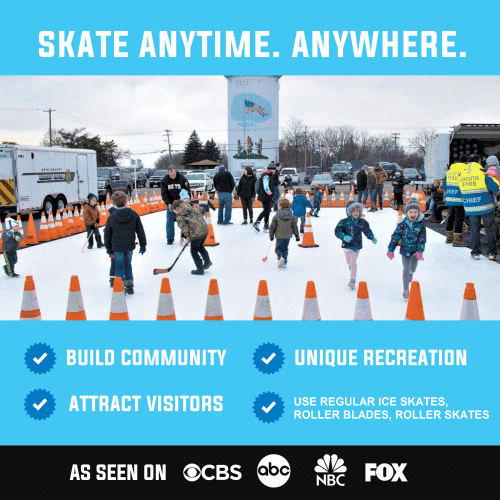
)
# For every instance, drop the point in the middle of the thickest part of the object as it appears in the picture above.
(407, 198)
(469, 312)
(351, 195)
(333, 200)
(213, 309)
(52, 226)
(65, 223)
(80, 225)
(29, 308)
(75, 310)
(310, 311)
(216, 200)
(22, 243)
(262, 310)
(308, 239)
(31, 238)
(71, 222)
(43, 234)
(415, 308)
(59, 225)
(363, 311)
(210, 239)
(387, 203)
(119, 309)
(166, 311)
(400, 216)
(342, 199)
(324, 200)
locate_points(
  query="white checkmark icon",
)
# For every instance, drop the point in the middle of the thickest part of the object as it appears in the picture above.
(269, 359)
(40, 359)
(37, 407)
(269, 408)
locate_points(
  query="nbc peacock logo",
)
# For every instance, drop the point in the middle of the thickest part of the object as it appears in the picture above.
(330, 471)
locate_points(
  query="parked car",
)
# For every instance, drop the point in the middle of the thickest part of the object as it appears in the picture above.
(156, 178)
(422, 174)
(325, 181)
(390, 168)
(200, 181)
(292, 172)
(310, 173)
(142, 180)
(110, 180)
(412, 174)
(341, 172)
(147, 171)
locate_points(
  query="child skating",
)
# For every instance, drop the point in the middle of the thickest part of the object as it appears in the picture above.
(299, 205)
(350, 231)
(91, 221)
(11, 239)
(318, 197)
(411, 233)
(283, 226)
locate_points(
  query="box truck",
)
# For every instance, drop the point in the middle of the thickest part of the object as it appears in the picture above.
(445, 149)
(38, 178)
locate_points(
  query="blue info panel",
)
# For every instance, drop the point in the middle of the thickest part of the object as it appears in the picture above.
(265, 38)
(247, 383)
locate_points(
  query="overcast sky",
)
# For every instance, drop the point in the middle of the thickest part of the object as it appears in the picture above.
(135, 110)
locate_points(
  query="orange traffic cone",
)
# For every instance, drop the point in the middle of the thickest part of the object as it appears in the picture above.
(31, 238)
(22, 243)
(308, 239)
(166, 311)
(65, 223)
(351, 195)
(52, 227)
(415, 308)
(80, 226)
(75, 310)
(29, 308)
(257, 204)
(43, 234)
(333, 201)
(407, 198)
(210, 239)
(363, 311)
(342, 199)
(213, 309)
(400, 216)
(263, 304)
(71, 222)
(470, 312)
(310, 311)
(216, 201)
(59, 225)
(387, 203)
(118, 303)
(324, 201)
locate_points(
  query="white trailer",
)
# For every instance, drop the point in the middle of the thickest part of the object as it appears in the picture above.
(49, 179)
(445, 149)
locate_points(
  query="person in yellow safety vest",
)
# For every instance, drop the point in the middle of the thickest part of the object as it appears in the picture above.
(477, 193)
(453, 200)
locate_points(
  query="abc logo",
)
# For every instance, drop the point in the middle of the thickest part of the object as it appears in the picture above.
(192, 472)
(273, 471)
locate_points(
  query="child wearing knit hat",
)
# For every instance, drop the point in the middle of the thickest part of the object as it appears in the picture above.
(411, 233)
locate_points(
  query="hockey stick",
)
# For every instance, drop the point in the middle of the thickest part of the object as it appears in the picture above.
(265, 258)
(162, 271)
(87, 240)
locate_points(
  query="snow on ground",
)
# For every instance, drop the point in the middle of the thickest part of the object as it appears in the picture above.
(238, 267)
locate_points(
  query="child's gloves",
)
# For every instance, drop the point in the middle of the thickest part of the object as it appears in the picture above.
(142, 250)
(18, 237)
(390, 255)
(297, 238)
(347, 238)
(269, 193)
(374, 241)
(419, 256)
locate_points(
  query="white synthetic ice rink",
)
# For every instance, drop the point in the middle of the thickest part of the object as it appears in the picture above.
(238, 267)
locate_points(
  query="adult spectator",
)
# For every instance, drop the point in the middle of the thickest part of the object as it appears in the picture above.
(477, 194)
(361, 180)
(381, 176)
(265, 191)
(399, 183)
(224, 185)
(171, 186)
(276, 169)
(454, 202)
(371, 184)
(437, 204)
(246, 192)
(288, 182)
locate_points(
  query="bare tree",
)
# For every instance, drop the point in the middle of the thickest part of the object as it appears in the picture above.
(419, 141)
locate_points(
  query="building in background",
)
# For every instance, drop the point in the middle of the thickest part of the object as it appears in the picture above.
(253, 121)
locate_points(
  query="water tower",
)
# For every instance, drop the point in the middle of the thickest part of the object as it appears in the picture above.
(253, 121)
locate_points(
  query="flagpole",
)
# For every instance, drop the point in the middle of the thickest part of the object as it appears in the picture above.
(244, 126)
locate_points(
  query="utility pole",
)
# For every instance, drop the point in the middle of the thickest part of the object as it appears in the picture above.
(395, 135)
(49, 111)
(167, 135)
(305, 149)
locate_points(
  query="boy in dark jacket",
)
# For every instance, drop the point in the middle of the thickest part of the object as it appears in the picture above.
(283, 225)
(91, 220)
(195, 229)
(411, 233)
(119, 238)
(350, 231)
(246, 192)
(318, 196)
(11, 239)
(299, 204)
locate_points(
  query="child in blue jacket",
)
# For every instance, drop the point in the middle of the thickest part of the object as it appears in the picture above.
(411, 233)
(11, 239)
(299, 204)
(318, 196)
(350, 231)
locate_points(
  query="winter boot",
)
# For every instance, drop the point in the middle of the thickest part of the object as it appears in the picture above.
(198, 272)
(251, 221)
(255, 227)
(406, 294)
(457, 240)
(14, 275)
(266, 228)
(170, 242)
(128, 285)
(352, 284)
(449, 236)
(99, 242)
(91, 242)
(244, 223)
(206, 265)
(281, 263)
(112, 281)
(5, 269)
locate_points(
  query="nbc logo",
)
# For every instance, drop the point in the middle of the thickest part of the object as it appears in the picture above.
(330, 471)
